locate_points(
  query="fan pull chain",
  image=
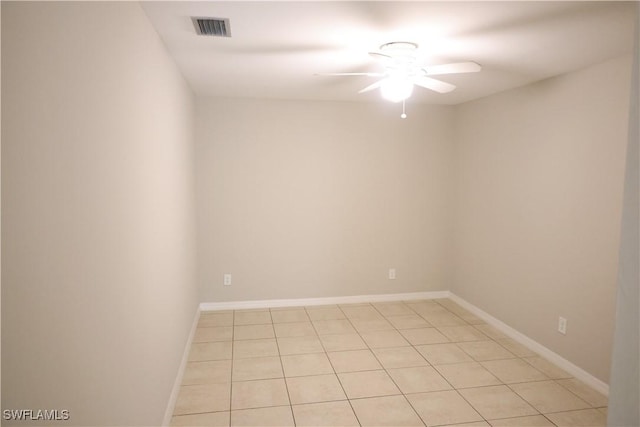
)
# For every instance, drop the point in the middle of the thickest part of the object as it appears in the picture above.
(403, 115)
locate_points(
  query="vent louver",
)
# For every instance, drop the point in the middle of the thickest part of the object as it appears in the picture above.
(214, 27)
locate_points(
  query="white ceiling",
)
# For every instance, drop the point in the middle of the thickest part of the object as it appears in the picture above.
(276, 48)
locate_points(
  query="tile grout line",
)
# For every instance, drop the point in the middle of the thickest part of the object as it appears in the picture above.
(453, 388)
(233, 344)
(491, 339)
(284, 375)
(334, 369)
(555, 380)
(389, 375)
(456, 389)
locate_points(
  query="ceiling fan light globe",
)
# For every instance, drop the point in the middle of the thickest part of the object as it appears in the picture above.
(396, 89)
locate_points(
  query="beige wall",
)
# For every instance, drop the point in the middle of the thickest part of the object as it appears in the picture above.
(98, 242)
(319, 199)
(538, 202)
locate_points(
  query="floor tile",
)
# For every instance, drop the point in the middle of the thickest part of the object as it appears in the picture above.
(468, 374)
(423, 336)
(410, 321)
(328, 414)
(367, 384)
(208, 372)
(297, 329)
(491, 332)
(321, 313)
(585, 417)
(320, 356)
(462, 333)
(471, 424)
(209, 419)
(201, 351)
(464, 314)
(210, 319)
(300, 345)
(285, 316)
(367, 325)
(255, 348)
(443, 407)
(259, 394)
(513, 371)
(317, 388)
(485, 350)
(273, 416)
(547, 396)
(516, 348)
(425, 306)
(418, 379)
(586, 393)
(497, 402)
(253, 332)
(337, 326)
(546, 367)
(467, 316)
(298, 365)
(341, 342)
(443, 318)
(449, 304)
(393, 308)
(399, 357)
(193, 399)
(356, 311)
(437, 306)
(392, 411)
(530, 421)
(257, 368)
(439, 354)
(472, 319)
(380, 339)
(353, 360)
(218, 333)
(252, 317)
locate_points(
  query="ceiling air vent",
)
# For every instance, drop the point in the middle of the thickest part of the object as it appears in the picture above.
(215, 27)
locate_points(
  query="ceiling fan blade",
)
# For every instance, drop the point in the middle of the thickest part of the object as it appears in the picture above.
(458, 67)
(371, 86)
(379, 55)
(350, 74)
(433, 84)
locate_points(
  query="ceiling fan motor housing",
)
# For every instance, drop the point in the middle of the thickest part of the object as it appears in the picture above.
(401, 60)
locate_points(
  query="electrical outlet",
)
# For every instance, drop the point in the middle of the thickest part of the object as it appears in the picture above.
(392, 273)
(227, 280)
(562, 325)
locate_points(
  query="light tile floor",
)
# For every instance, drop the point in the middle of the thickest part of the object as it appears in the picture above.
(412, 363)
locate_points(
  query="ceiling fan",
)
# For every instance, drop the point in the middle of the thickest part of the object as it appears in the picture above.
(402, 71)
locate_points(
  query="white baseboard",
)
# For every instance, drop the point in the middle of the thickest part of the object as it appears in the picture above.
(274, 303)
(535, 346)
(173, 397)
